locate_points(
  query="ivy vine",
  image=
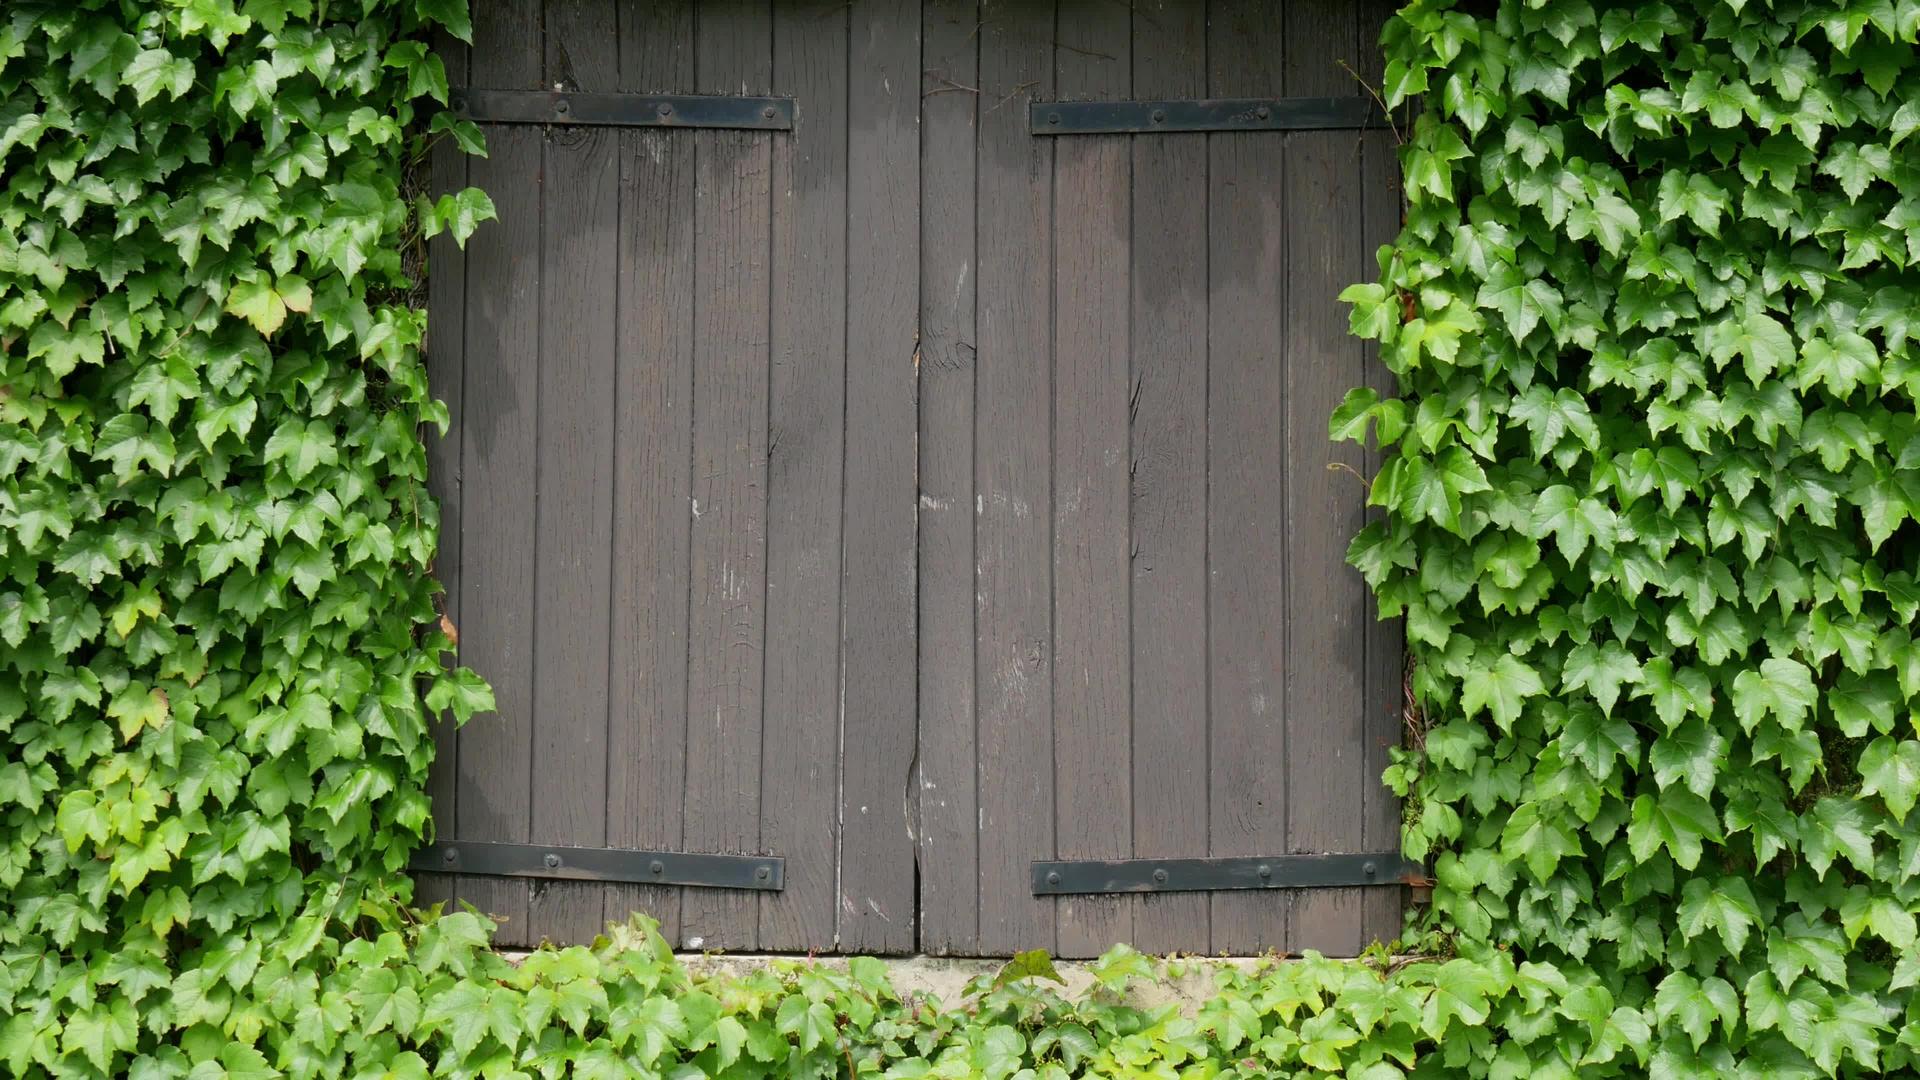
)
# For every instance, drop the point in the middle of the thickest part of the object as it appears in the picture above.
(1651, 493)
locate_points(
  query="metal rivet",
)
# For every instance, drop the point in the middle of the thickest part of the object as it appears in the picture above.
(656, 868)
(552, 861)
(762, 873)
(458, 102)
(1262, 112)
(665, 109)
(561, 107)
(450, 855)
(1369, 869)
(1053, 878)
(1053, 118)
(1159, 116)
(1160, 877)
(767, 112)
(1265, 871)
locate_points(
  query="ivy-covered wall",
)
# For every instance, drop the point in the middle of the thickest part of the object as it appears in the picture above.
(1650, 493)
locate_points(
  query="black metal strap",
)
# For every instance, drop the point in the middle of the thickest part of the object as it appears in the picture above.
(1060, 877)
(1218, 114)
(624, 110)
(764, 872)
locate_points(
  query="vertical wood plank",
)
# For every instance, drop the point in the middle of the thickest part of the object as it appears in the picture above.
(799, 810)
(1386, 648)
(497, 465)
(948, 803)
(445, 349)
(1326, 599)
(1169, 465)
(878, 652)
(574, 523)
(1246, 518)
(1012, 537)
(727, 616)
(1092, 706)
(647, 731)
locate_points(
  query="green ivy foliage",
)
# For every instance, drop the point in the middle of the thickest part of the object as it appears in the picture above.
(216, 622)
(1651, 490)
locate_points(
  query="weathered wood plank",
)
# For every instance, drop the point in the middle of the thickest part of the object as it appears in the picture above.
(1092, 690)
(446, 362)
(727, 606)
(799, 804)
(1169, 465)
(947, 796)
(1013, 498)
(1325, 503)
(647, 704)
(1247, 582)
(1386, 649)
(497, 466)
(574, 476)
(877, 647)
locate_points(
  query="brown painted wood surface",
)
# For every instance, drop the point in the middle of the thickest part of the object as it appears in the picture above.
(647, 702)
(806, 475)
(1169, 472)
(908, 496)
(946, 795)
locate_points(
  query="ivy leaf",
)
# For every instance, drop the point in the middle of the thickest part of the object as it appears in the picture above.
(1522, 301)
(1601, 670)
(155, 70)
(451, 14)
(459, 213)
(1574, 521)
(1679, 821)
(1693, 753)
(1676, 692)
(1841, 363)
(1782, 688)
(129, 441)
(1890, 769)
(1838, 826)
(265, 305)
(138, 707)
(1461, 989)
(1692, 197)
(1501, 689)
(1726, 906)
(462, 691)
(303, 446)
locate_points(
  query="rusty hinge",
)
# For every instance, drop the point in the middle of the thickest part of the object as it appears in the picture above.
(1217, 114)
(763, 872)
(1069, 876)
(623, 110)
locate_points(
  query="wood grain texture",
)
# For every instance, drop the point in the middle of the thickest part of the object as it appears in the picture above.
(947, 796)
(497, 468)
(877, 618)
(647, 692)
(727, 604)
(1169, 473)
(574, 474)
(1386, 646)
(1012, 470)
(800, 773)
(1325, 504)
(1092, 690)
(446, 370)
(1246, 520)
